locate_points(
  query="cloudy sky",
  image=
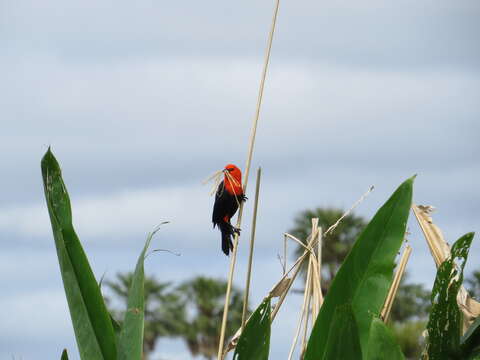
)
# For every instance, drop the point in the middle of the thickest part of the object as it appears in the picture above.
(142, 100)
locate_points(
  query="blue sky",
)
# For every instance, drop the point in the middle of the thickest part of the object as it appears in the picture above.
(142, 101)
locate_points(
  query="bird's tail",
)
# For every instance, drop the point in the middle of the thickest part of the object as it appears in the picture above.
(227, 231)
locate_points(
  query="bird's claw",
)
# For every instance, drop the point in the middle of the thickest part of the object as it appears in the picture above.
(236, 230)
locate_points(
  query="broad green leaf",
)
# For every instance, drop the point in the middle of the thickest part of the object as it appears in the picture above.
(475, 355)
(64, 355)
(131, 335)
(90, 318)
(444, 324)
(343, 341)
(366, 274)
(470, 341)
(381, 344)
(254, 342)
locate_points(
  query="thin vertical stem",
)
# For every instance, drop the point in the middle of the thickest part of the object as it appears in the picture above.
(303, 313)
(252, 242)
(395, 284)
(319, 259)
(307, 316)
(245, 181)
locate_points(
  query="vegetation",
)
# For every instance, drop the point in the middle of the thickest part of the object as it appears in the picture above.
(336, 247)
(348, 325)
(191, 311)
(410, 308)
(163, 308)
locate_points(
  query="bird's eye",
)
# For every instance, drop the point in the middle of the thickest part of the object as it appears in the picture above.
(230, 169)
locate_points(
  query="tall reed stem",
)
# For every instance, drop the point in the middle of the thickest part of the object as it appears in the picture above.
(252, 242)
(245, 181)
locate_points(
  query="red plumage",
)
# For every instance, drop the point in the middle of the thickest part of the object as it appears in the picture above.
(227, 200)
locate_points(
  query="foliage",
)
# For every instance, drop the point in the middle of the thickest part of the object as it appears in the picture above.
(470, 341)
(192, 311)
(408, 317)
(381, 343)
(64, 355)
(164, 312)
(254, 342)
(343, 341)
(131, 334)
(365, 276)
(204, 297)
(347, 327)
(408, 334)
(96, 332)
(336, 245)
(444, 324)
(91, 322)
(412, 301)
(473, 284)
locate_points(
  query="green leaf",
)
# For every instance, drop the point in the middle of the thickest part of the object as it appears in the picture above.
(471, 339)
(445, 321)
(366, 274)
(131, 335)
(254, 342)
(91, 320)
(343, 341)
(64, 355)
(381, 344)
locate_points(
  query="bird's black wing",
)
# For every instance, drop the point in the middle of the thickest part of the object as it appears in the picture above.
(225, 205)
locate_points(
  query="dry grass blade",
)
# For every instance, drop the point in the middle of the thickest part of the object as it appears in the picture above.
(436, 243)
(311, 287)
(251, 145)
(282, 287)
(304, 311)
(440, 252)
(252, 242)
(387, 307)
(217, 179)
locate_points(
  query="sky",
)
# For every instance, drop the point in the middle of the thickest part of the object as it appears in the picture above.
(141, 101)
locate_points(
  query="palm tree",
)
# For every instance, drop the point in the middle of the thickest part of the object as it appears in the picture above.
(204, 299)
(164, 312)
(410, 308)
(336, 244)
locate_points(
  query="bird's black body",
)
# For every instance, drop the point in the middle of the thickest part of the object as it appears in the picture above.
(226, 205)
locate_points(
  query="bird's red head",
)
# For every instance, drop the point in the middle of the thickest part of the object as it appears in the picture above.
(233, 186)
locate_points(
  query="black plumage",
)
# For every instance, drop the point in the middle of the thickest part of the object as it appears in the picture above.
(226, 205)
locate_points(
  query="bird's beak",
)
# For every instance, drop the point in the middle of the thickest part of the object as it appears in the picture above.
(224, 171)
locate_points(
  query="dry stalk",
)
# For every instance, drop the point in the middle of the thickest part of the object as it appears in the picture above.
(305, 329)
(316, 290)
(281, 288)
(304, 311)
(387, 306)
(252, 242)
(319, 258)
(440, 252)
(245, 181)
(309, 285)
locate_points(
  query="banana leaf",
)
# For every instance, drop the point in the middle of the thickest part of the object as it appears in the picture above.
(366, 274)
(90, 318)
(254, 342)
(132, 330)
(381, 343)
(445, 321)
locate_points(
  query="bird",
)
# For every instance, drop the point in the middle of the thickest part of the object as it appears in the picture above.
(228, 197)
